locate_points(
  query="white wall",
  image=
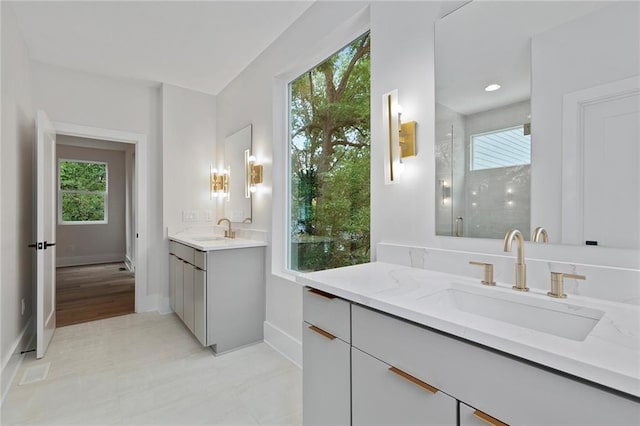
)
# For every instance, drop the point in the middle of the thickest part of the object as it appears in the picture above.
(95, 243)
(16, 153)
(401, 34)
(130, 106)
(189, 149)
(574, 56)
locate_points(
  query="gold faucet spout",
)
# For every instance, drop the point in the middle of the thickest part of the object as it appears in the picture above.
(540, 234)
(228, 233)
(521, 268)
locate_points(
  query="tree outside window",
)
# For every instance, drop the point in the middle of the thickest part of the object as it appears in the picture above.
(82, 195)
(330, 161)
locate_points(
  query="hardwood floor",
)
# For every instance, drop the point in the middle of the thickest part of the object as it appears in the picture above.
(92, 292)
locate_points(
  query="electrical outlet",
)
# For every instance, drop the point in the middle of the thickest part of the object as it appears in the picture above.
(209, 215)
(22, 307)
(189, 216)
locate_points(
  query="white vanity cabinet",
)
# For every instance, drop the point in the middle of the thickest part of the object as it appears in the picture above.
(385, 395)
(219, 294)
(503, 387)
(405, 373)
(187, 287)
(326, 359)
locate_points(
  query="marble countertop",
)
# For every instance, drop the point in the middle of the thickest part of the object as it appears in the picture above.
(608, 355)
(211, 241)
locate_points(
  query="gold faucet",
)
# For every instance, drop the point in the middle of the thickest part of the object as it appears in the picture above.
(521, 268)
(538, 234)
(228, 233)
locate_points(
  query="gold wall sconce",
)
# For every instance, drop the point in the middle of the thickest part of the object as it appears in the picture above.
(401, 137)
(253, 174)
(219, 182)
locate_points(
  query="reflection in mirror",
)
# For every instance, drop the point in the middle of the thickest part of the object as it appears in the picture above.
(237, 147)
(504, 155)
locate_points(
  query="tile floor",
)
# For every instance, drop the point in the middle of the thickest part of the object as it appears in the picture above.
(147, 369)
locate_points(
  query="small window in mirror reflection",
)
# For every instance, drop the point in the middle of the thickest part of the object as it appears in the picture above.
(500, 148)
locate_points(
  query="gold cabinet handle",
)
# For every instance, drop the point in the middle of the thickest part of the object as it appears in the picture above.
(321, 293)
(322, 332)
(414, 380)
(488, 419)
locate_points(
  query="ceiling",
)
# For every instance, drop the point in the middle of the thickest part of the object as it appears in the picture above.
(200, 45)
(488, 42)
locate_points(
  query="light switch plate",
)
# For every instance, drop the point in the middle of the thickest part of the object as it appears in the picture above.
(209, 215)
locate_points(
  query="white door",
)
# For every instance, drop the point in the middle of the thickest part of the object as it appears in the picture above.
(45, 233)
(611, 177)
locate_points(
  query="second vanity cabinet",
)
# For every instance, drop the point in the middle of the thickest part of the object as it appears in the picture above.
(188, 287)
(403, 373)
(219, 294)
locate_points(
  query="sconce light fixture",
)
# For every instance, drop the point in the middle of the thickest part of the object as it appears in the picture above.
(219, 182)
(253, 174)
(401, 136)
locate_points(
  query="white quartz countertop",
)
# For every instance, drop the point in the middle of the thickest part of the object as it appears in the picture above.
(209, 242)
(608, 355)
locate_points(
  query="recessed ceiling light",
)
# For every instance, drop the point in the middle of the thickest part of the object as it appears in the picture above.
(492, 87)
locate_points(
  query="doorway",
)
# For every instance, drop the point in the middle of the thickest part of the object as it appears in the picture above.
(94, 258)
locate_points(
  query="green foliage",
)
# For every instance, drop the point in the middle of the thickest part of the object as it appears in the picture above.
(82, 207)
(80, 176)
(83, 186)
(330, 161)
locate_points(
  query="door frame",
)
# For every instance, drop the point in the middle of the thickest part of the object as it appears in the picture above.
(143, 302)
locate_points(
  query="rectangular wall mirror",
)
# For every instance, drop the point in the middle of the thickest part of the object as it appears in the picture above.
(537, 112)
(237, 148)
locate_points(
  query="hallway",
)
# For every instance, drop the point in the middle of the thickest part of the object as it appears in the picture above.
(92, 292)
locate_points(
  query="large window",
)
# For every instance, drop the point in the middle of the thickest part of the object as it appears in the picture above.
(82, 195)
(500, 148)
(329, 142)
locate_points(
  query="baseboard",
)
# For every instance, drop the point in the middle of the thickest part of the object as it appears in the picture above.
(13, 360)
(90, 260)
(164, 306)
(128, 263)
(284, 343)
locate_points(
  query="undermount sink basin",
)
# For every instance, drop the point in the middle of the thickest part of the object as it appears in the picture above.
(563, 320)
(209, 238)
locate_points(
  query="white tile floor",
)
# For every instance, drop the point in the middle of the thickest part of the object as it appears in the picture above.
(144, 369)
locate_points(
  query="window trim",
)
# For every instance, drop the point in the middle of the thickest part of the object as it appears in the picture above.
(65, 191)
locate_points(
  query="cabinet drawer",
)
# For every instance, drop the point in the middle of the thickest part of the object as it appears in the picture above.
(182, 251)
(200, 259)
(326, 379)
(485, 379)
(381, 396)
(327, 312)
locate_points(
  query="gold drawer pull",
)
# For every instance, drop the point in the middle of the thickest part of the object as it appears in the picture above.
(488, 419)
(321, 293)
(413, 380)
(322, 332)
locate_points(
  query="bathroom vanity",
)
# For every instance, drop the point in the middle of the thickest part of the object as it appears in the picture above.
(217, 288)
(389, 344)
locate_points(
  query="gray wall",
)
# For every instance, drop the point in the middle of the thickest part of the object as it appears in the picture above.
(96, 243)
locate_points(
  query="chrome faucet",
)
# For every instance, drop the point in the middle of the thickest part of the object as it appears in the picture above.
(540, 234)
(521, 268)
(228, 233)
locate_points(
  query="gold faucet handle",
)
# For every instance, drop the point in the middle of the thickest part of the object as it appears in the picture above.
(488, 272)
(557, 283)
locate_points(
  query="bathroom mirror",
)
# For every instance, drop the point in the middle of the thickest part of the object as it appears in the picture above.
(237, 148)
(556, 144)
